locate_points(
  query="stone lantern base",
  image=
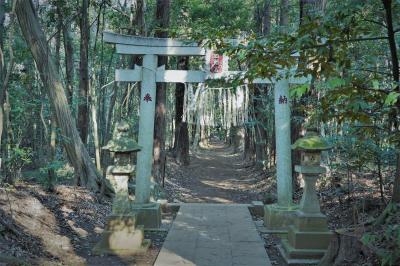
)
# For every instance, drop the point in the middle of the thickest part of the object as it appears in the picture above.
(277, 219)
(148, 215)
(122, 237)
(308, 239)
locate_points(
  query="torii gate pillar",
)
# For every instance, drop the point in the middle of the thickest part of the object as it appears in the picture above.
(149, 213)
(146, 129)
(283, 143)
(277, 217)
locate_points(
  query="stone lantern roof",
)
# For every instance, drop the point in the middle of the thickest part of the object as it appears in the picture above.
(311, 142)
(121, 140)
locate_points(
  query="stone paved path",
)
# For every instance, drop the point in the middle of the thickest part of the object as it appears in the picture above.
(213, 235)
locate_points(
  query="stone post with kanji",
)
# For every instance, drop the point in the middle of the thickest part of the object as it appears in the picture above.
(278, 216)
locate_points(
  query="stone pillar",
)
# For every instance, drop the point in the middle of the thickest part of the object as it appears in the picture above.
(146, 129)
(149, 214)
(283, 143)
(277, 217)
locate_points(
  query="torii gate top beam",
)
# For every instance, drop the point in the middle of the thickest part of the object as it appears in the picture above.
(116, 38)
(127, 44)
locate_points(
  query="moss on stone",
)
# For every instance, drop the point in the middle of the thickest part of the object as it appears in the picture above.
(311, 143)
(124, 144)
(122, 141)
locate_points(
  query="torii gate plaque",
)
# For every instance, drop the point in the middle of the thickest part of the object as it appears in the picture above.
(149, 74)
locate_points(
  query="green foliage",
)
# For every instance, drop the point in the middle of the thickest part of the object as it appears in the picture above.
(392, 98)
(335, 83)
(213, 19)
(18, 157)
(45, 172)
(54, 165)
(299, 91)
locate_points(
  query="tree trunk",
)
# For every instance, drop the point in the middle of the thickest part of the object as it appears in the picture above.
(2, 75)
(2, 19)
(52, 156)
(159, 131)
(344, 249)
(162, 17)
(273, 144)
(248, 138)
(183, 64)
(203, 135)
(76, 151)
(238, 139)
(5, 75)
(259, 130)
(396, 184)
(248, 144)
(140, 17)
(260, 134)
(267, 17)
(108, 125)
(96, 139)
(387, 4)
(284, 13)
(199, 116)
(182, 149)
(51, 173)
(7, 136)
(83, 121)
(309, 9)
(69, 61)
(392, 40)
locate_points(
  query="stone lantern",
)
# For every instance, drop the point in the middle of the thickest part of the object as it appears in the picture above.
(308, 237)
(122, 235)
(123, 147)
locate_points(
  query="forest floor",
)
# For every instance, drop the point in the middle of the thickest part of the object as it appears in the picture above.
(60, 228)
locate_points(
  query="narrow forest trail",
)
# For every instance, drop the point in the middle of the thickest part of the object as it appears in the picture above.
(215, 175)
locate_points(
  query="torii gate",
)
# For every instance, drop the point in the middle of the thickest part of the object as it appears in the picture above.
(148, 74)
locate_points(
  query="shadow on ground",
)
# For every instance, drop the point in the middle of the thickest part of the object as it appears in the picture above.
(215, 175)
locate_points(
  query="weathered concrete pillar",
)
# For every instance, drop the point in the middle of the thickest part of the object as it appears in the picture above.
(149, 214)
(283, 143)
(146, 129)
(278, 217)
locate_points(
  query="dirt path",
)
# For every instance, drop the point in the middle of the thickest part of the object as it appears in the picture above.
(215, 175)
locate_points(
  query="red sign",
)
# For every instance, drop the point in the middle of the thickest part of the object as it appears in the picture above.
(216, 62)
(147, 98)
